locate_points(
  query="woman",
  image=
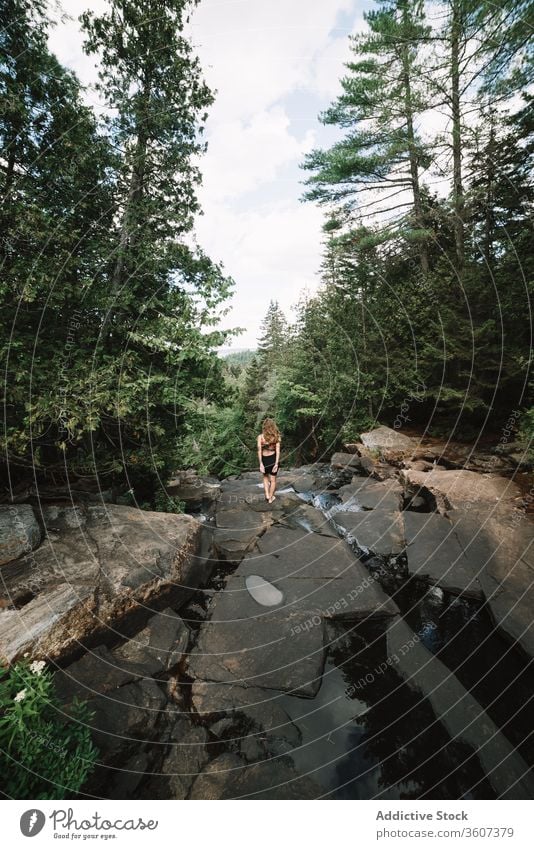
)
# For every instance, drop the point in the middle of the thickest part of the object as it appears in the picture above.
(269, 457)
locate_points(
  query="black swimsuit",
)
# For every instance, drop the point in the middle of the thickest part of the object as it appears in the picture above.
(268, 460)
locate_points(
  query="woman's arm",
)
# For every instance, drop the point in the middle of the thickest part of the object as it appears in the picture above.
(262, 467)
(275, 468)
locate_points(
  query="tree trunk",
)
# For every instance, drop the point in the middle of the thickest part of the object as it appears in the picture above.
(135, 192)
(457, 187)
(489, 223)
(412, 148)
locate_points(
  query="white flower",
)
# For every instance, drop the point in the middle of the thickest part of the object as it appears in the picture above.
(20, 696)
(37, 666)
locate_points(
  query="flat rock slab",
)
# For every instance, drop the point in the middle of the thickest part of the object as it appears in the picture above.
(160, 646)
(126, 705)
(368, 494)
(463, 717)
(285, 552)
(228, 777)
(125, 718)
(503, 544)
(379, 532)
(243, 519)
(184, 762)
(19, 531)
(97, 566)
(463, 489)
(304, 483)
(354, 597)
(239, 493)
(261, 651)
(305, 518)
(232, 545)
(436, 555)
(261, 707)
(98, 672)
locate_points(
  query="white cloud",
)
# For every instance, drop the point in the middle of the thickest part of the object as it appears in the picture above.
(272, 252)
(255, 53)
(66, 39)
(246, 154)
(275, 66)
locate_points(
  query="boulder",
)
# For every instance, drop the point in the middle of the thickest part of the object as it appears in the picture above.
(353, 447)
(126, 705)
(386, 441)
(217, 776)
(236, 494)
(123, 780)
(290, 553)
(194, 490)
(122, 720)
(341, 460)
(19, 531)
(97, 672)
(98, 567)
(304, 483)
(304, 517)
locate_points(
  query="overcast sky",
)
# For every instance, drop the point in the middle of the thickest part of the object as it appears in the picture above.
(275, 66)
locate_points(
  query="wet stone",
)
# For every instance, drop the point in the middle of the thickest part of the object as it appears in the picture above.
(435, 554)
(378, 532)
(369, 494)
(229, 777)
(265, 650)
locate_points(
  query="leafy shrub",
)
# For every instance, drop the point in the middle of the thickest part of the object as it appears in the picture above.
(44, 753)
(164, 503)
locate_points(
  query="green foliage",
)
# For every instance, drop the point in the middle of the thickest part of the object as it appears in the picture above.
(239, 358)
(164, 503)
(216, 440)
(526, 431)
(107, 308)
(399, 309)
(45, 753)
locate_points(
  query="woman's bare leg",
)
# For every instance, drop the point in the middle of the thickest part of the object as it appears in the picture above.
(266, 487)
(272, 487)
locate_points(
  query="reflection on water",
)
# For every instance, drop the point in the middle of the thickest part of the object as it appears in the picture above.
(460, 632)
(367, 734)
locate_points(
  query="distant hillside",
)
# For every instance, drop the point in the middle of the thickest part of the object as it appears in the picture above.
(239, 358)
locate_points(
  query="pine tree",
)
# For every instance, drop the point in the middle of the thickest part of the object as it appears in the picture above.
(273, 336)
(55, 222)
(108, 308)
(381, 100)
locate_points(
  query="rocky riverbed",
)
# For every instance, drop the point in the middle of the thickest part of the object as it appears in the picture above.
(367, 635)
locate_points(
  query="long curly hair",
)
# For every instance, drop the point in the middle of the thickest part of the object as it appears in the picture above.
(270, 432)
